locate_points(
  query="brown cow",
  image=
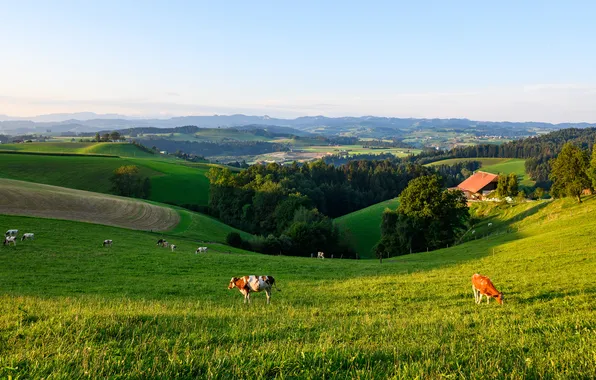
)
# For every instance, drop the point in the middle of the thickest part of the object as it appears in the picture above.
(481, 285)
(249, 284)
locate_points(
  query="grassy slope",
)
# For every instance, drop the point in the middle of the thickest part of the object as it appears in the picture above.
(72, 310)
(170, 181)
(26, 198)
(362, 227)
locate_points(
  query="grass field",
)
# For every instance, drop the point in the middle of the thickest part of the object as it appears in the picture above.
(116, 149)
(171, 182)
(70, 309)
(26, 198)
(363, 227)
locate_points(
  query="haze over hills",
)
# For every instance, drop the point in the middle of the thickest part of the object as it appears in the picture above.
(91, 122)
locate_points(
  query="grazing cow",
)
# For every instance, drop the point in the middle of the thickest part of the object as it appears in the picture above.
(481, 285)
(10, 239)
(173, 246)
(248, 284)
(160, 242)
(11, 233)
(490, 224)
(201, 250)
(28, 235)
(107, 243)
(320, 255)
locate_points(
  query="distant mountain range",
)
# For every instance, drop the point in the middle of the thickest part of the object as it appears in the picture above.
(91, 122)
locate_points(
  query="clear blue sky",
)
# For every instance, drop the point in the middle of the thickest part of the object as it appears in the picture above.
(511, 60)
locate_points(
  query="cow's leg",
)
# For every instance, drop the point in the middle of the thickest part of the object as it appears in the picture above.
(487, 299)
(268, 293)
(475, 296)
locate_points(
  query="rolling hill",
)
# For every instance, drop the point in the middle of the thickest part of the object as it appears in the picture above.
(104, 148)
(32, 199)
(70, 308)
(363, 227)
(172, 181)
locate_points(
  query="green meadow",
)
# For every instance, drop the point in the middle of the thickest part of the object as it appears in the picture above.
(171, 181)
(70, 308)
(362, 228)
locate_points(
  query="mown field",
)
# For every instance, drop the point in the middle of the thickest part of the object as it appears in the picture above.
(70, 309)
(171, 182)
(363, 227)
(33, 199)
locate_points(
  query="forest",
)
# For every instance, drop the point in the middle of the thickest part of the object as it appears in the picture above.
(295, 202)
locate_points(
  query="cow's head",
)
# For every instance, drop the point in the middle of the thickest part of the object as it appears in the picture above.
(233, 281)
(500, 298)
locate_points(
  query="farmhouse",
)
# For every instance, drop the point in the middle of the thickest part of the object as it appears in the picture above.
(479, 185)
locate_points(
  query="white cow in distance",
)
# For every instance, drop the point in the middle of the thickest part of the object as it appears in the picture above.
(201, 250)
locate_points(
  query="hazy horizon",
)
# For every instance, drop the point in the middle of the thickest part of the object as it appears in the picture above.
(491, 62)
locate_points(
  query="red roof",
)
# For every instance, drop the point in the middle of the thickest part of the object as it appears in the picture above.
(477, 181)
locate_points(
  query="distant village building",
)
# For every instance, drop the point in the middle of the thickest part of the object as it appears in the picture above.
(479, 185)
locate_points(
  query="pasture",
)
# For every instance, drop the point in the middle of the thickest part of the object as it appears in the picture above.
(362, 228)
(170, 182)
(70, 308)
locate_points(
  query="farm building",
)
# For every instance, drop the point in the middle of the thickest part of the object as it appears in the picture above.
(479, 185)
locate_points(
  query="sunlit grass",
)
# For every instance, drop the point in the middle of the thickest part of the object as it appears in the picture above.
(69, 308)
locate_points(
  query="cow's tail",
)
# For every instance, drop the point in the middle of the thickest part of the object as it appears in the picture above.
(274, 284)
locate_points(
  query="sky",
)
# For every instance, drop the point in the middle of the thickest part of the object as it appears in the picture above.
(507, 60)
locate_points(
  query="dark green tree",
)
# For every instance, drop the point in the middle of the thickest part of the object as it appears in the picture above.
(569, 172)
(115, 136)
(502, 186)
(127, 182)
(512, 186)
(428, 217)
(592, 169)
(97, 137)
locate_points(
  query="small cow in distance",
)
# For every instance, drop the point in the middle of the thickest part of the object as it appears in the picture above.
(160, 242)
(107, 243)
(320, 255)
(11, 233)
(10, 239)
(248, 284)
(173, 246)
(28, 235)
(482, 285)
(201, 250)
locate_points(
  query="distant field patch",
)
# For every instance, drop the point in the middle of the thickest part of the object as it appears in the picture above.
(358, 149)
(363, 227)
(483, 161)
(496, 166)
(31, 199)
